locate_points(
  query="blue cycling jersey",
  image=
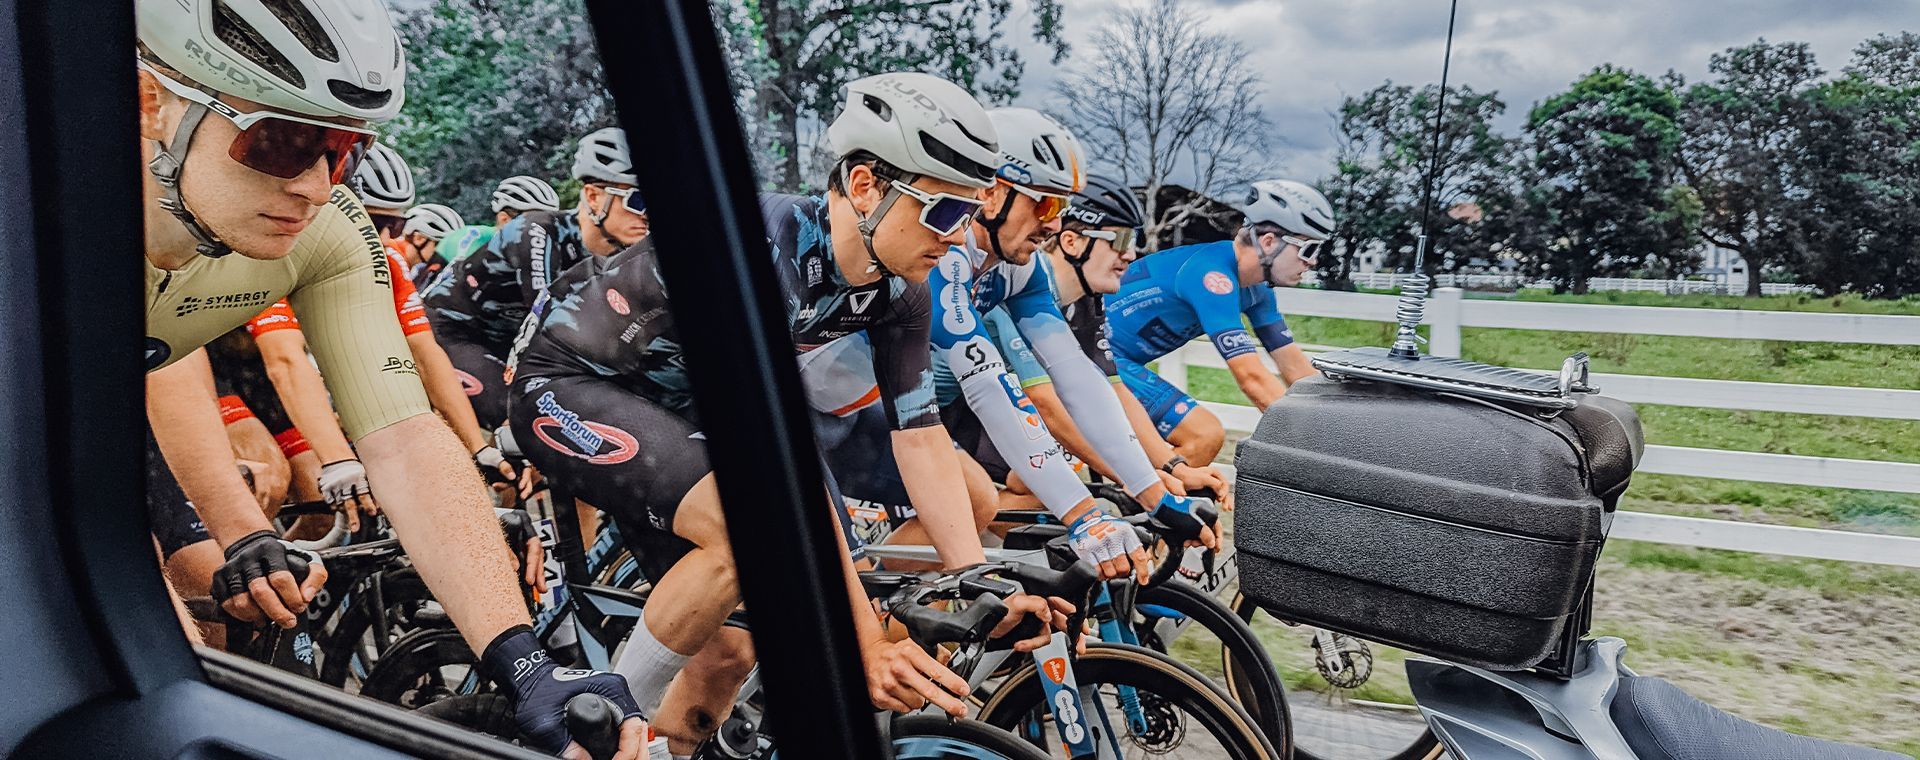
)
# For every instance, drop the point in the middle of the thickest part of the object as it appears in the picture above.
(1176, 295)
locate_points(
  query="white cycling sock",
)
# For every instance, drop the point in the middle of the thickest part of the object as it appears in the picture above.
(649, 667)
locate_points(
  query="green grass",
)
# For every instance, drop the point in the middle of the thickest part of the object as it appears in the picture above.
(1763, 361)
(1831, 580)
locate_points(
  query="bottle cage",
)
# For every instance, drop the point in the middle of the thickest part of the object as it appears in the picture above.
(1439, 373)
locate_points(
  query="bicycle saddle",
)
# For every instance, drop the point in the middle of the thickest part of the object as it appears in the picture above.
(1661, 722)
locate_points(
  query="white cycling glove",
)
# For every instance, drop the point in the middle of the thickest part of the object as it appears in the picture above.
(1097, 537)
(341, 481)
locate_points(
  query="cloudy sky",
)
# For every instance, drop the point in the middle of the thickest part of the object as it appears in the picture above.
(1312, 52)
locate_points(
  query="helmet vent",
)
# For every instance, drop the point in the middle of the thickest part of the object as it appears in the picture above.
(1282, 201)
(358, 97)
(878, 107)
(967, 166)
(236, 33)
(305, 28)
(988, 144)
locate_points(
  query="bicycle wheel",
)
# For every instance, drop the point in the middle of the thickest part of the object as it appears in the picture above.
(1154, 706)
(1344, 706)
(1249, 674)
(424, 667)
(934, 736)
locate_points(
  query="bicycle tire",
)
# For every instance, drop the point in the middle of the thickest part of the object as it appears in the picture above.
(1424, 747)
(956, 739)
(1150, 672)
(412, 657)
(1251, 678)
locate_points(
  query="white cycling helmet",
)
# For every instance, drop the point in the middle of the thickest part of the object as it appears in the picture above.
(433, 220)
(603, 156)
(524, 193)
(1036, 152)
(315, 57)
(920, 124)
(384, 180)
(1293, 206)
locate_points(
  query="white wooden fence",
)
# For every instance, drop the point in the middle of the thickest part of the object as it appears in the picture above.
(1392, 280)
(1447, 312)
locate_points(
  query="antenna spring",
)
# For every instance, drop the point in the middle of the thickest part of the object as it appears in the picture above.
(1411, 310)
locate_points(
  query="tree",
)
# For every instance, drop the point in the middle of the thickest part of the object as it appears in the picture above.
(795, 56)
(1163, 96)
(495, 88)
(1858, 162)
(1386, 151)
(1741, 130)
(1606, 152)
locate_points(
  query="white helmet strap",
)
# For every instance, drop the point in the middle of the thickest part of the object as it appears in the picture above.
(168, 160)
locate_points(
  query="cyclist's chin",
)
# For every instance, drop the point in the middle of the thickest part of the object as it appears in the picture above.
(265, 245)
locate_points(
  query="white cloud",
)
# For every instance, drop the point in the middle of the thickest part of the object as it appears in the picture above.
(1313, 52)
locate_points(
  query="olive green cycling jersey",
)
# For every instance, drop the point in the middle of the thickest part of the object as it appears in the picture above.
(339, 284)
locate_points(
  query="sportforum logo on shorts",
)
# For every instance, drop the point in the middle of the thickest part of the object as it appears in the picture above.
(584, 438)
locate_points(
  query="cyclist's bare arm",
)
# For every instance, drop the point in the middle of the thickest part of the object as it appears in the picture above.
(251, 442)
(443, 389)
(439, 508)
(1261, 387)
(1293, 363)
(303, 393)
(428, 487)
(938, 492)
(186, 423)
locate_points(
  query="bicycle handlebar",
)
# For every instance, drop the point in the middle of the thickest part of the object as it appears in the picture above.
(930, 627)
(594, 722)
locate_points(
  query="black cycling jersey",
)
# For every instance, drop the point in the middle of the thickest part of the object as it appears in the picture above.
(1087, 318)
(483, 297)
(616, 324)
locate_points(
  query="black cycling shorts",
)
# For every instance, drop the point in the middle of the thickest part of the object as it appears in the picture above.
(482, 375)
(620, 452)
(176, 525)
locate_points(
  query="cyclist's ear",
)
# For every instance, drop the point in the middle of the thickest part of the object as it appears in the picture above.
(154, 103)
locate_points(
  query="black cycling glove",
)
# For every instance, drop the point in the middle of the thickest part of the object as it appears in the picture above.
(258, 555)
(540, 688)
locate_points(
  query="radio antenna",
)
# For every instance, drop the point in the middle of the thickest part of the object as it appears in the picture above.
(1413, 290)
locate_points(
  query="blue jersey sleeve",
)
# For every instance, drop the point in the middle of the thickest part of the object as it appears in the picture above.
(1263, 312)
(1214, 295)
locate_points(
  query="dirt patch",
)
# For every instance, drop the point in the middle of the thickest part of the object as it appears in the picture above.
(1843, 668)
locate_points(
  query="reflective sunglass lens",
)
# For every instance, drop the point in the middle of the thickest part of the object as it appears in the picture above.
(634, 202)
(948, 214)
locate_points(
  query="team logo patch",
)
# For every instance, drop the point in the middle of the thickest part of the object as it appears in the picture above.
(1030, 415)
(1056, 669)
(1217, 283)
(618, 302)
(584, 439)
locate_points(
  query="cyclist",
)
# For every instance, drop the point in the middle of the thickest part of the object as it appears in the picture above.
(282, 348)
(602, 398)
(246, 136)
(427, 224)
(1096, 242)
(1176, 295)
(514, 196)
(384, 183)
(1038, 168)
(477, 306)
